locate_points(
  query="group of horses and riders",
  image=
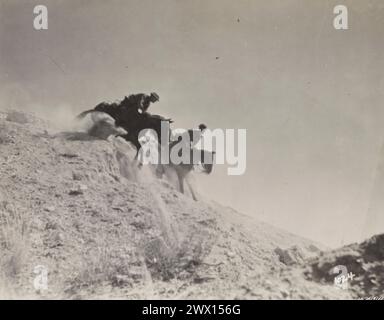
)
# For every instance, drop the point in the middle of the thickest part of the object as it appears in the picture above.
(132, 115)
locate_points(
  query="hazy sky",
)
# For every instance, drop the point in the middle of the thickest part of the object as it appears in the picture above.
(309, 95)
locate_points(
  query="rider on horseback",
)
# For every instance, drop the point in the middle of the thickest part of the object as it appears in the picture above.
(129, 108)
(196, 134)
(189, 137)
(140, 101)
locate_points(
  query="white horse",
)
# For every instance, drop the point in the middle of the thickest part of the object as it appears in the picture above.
(150, 151)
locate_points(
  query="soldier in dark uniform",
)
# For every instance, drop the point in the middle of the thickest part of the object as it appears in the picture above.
(140, 101)
(129, 107)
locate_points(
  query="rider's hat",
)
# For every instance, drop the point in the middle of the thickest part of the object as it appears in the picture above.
(155, 96)
(202, 127)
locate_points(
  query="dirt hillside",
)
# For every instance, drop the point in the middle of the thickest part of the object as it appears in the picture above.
(104, 228)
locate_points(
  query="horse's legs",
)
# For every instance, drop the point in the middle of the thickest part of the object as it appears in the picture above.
(136, 158)
(191, 189)
(181, 181)
(160, 170)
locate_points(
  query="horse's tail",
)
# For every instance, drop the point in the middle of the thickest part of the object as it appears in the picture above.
(83, 114)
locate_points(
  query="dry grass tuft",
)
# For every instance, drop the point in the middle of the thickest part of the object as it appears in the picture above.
(14, 241)
(102, 265)
(166, 263)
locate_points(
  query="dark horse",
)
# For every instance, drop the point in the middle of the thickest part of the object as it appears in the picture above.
(130, 120)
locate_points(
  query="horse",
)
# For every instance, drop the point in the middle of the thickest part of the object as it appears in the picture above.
(183, 169)
(131, 121)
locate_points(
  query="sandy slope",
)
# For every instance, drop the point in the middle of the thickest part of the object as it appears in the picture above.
(106, 229)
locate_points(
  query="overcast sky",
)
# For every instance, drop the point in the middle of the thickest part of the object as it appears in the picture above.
(309, 96)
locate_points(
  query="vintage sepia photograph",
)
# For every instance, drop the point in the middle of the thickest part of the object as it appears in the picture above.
(191, 150)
